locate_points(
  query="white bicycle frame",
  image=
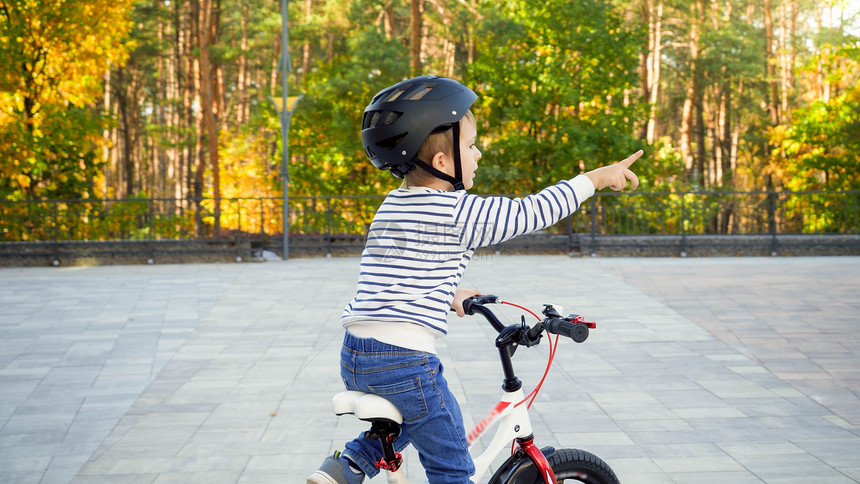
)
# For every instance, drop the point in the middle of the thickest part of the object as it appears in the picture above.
(511, 412)
(513, 417)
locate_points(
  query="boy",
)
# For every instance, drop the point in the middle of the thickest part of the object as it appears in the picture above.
(419, 243)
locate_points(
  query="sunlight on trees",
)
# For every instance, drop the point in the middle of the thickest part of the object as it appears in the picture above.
(55, 56)
(160, 99)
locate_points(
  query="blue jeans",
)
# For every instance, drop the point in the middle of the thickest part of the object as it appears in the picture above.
(413, 382)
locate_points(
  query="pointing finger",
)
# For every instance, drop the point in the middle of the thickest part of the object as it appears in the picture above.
(626, 162)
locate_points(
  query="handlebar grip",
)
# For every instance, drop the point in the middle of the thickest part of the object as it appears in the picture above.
(467, 306)
(469, 303)
(578, 332)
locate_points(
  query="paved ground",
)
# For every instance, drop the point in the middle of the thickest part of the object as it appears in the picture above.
(740, 370)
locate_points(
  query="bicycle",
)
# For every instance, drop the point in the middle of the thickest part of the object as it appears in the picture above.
(527, 464)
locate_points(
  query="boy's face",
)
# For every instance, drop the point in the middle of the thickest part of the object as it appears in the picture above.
(469, 152)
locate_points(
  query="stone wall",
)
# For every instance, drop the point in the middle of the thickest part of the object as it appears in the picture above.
(18, 254)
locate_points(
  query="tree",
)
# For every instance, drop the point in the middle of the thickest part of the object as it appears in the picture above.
(416, 24)
(553, 80)
(55, 55)
(651, 63)
(820, 149)
(562, 87)
(206, 16)
(363, 50)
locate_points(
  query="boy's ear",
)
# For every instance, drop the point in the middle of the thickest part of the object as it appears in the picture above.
(440, 162)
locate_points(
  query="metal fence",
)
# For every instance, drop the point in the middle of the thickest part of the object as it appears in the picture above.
(335, 225)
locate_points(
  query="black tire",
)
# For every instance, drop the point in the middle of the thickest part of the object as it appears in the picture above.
(574, 465)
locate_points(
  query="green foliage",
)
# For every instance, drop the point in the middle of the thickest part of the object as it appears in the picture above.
(551, 79)
(324, 136)
(559, 93)
(59, 160)
(820, 149)
(54, 56)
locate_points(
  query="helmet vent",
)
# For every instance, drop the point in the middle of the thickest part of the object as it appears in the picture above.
(369, 119)
(396, 93)
(420, 94)
(409, 93)
(391, 118)
(374, 119)
(390, 143)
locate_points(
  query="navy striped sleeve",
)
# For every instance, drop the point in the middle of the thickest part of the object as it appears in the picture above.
(477, 217)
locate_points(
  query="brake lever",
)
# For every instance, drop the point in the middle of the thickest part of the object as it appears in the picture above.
(534, 334)
(486, 299)
(480, 300)
(550, 311)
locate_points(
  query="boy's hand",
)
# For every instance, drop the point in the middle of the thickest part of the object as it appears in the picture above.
(615, 176)
(460, 296)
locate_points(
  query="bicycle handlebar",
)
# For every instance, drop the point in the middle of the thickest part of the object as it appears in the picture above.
(513, 336)
(572, 326)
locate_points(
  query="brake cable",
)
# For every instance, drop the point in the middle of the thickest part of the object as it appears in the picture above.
(552, 348)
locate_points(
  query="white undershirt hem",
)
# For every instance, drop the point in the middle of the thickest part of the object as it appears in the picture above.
(405, 335)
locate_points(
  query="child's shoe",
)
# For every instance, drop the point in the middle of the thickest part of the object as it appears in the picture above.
(336, 470)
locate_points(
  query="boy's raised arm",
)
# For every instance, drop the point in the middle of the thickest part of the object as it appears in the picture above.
(616, 175)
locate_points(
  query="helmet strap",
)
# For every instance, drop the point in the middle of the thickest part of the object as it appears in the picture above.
(458, 184)
(458, 169)
(457, 179)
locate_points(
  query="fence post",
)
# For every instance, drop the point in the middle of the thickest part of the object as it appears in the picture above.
(593, 247)
(570, 235)
(328, 236)
(683, 224)
(262, 231)
(238, 230)
(56, 261)
(771, 214)
(151, 259)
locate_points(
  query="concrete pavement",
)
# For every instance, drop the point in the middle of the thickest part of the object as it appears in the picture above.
(741, 370)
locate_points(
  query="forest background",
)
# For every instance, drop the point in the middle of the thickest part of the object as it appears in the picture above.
(118, 99)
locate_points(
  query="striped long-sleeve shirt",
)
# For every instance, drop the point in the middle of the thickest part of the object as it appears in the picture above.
(419, 244)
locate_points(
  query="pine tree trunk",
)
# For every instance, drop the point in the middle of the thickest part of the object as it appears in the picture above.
(784, 59)
(691, 96)
(416, 33)
(189, 96)
(125, 171)
(471, 47)
(273, 73)
(242, 83)
(735, 133)
(159, 171)
(654, 64)
(306, 49)
(700, 131)
(773, 102)
(106, 136)
(173, 128)
(208, 107)
(726, 136)
(199, 154)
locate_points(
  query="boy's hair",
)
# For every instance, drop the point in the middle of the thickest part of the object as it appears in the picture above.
(435, 143)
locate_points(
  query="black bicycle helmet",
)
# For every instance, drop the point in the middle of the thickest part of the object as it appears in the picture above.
(400, 118)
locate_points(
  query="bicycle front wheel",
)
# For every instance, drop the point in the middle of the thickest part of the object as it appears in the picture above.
(574, 465)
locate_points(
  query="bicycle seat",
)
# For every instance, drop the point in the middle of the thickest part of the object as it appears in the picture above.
(365, 406)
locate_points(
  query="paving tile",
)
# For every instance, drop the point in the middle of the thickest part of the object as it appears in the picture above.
(700, 370)
(721, 464)
(208, 477)
(714, 477)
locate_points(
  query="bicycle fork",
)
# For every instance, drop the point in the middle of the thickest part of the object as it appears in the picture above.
(512, 411)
